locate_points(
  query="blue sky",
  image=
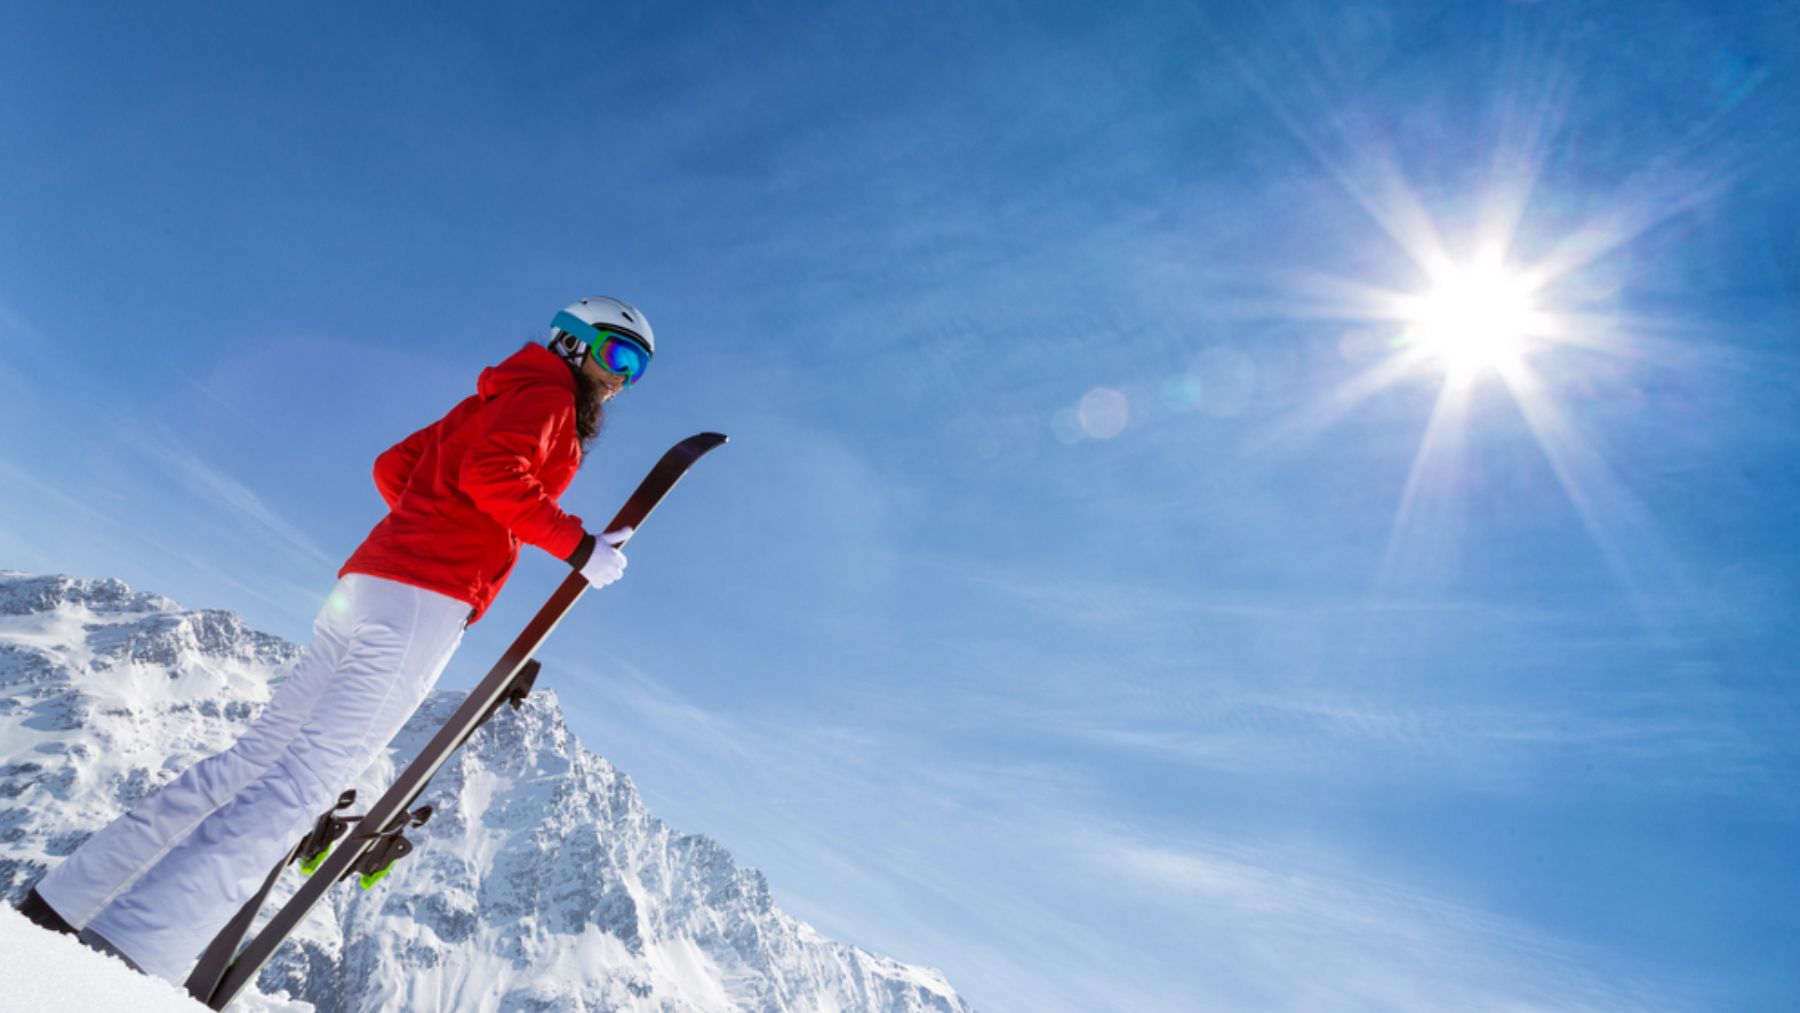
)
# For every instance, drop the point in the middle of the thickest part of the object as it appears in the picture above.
(1106, 597)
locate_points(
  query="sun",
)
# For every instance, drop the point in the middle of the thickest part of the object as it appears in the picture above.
(1503, 317)
(1475, 318)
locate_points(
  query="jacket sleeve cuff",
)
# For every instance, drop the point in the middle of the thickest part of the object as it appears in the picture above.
(582, 553)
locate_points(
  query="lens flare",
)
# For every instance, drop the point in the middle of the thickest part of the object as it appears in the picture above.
(1103, 413)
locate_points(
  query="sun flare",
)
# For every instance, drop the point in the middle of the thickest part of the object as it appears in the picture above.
(1474, 318)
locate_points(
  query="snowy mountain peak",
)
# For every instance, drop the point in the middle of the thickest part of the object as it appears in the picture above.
(24, 593)
(541, 881)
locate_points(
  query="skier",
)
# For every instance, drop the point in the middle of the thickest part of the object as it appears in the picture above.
(156, 884)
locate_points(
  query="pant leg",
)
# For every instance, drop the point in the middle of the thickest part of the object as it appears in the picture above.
(401, 638)
(108, 863)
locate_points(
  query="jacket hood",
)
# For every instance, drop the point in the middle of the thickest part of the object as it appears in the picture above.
(533, 364)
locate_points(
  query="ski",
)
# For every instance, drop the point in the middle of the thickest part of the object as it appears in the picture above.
(217, 956)
(392, 810)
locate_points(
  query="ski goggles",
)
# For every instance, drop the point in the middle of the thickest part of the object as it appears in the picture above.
(618, 352)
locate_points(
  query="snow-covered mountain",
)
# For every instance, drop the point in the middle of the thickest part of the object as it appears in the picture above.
(541, 882)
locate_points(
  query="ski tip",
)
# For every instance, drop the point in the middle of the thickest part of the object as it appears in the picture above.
(696, 446)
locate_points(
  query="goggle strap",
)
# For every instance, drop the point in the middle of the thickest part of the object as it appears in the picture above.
(569, 323)
(589, 334)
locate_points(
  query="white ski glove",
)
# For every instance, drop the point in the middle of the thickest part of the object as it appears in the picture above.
(599, 559)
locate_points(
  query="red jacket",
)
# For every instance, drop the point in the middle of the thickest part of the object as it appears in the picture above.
(464, 491)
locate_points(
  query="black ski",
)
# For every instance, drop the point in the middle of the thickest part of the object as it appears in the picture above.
(390, 809)
(212, 964)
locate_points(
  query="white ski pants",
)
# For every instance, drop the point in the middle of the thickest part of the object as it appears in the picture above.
(160, 881)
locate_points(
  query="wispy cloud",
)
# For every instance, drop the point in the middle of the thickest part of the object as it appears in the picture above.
(20, 339)
(214, 486)
(1638, 742)
(1302, 933)
(854, 805)
(125, 544)
(863, 808)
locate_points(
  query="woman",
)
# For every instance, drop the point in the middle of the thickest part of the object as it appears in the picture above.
(158, 883)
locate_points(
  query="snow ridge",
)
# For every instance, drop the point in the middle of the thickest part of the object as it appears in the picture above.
(541, 882)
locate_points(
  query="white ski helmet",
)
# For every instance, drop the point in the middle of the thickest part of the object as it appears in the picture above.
(598, 312)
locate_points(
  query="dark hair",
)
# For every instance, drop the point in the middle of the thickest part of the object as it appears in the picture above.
(590, 413)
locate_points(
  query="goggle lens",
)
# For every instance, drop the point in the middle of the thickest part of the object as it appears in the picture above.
(622, 356)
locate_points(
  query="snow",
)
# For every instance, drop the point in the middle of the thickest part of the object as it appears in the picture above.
(44, 970)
